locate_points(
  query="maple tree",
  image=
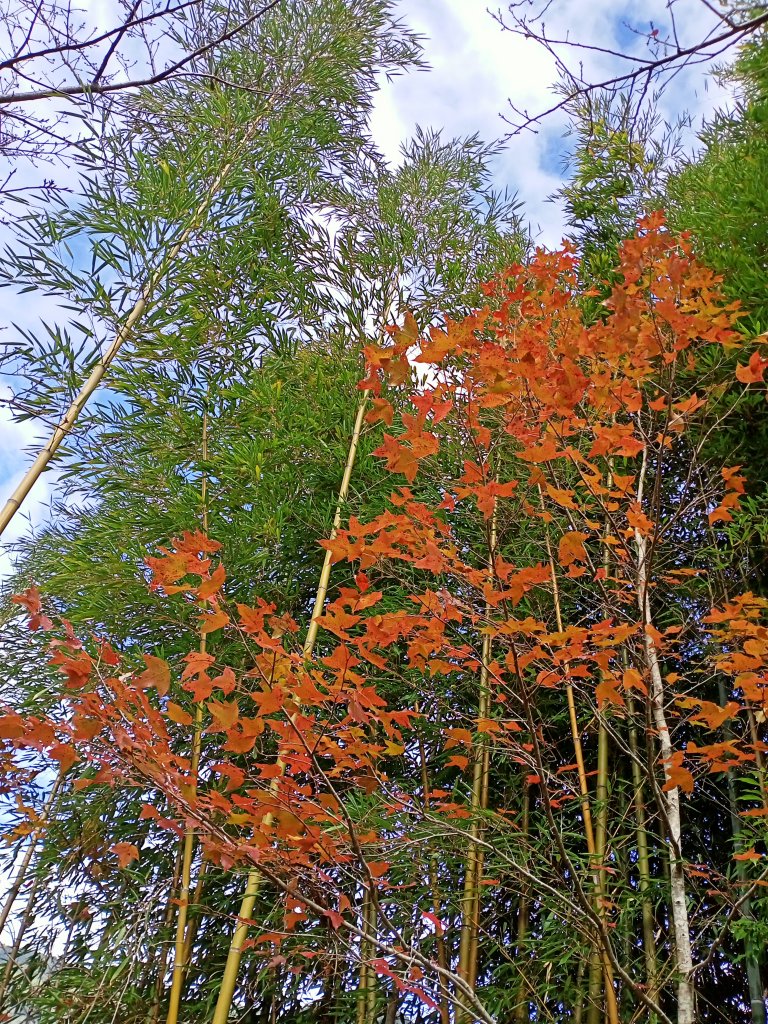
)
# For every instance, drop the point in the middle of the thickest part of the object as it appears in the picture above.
(624, 164)
(536, 580)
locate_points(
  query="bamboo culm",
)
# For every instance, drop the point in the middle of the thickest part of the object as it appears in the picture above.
(181, 946)
(232, 966)
(470, 903)
(123, 334)
(29, 853)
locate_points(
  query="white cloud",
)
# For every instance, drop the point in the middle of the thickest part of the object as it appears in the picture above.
(477, 68)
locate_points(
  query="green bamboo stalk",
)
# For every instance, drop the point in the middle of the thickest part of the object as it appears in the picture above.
(28, 916)
(643, 861)
(589, 832)
(595, 1011)
(34, 839)
(442, 948)
(470, 901)
(194, 923)
(366, 988)
(521, 1007)
(578, 1009)
(762, 774)
(371, 926)
(756, 1000)
(13, 954)
(599, 968)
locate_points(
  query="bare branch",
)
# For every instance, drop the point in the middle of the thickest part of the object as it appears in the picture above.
(642, 74)
(95, 88)
(83, 44)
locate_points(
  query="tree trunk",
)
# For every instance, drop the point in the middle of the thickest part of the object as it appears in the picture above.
(686, 993)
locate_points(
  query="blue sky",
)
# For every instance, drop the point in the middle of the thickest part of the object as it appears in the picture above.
(475, 69)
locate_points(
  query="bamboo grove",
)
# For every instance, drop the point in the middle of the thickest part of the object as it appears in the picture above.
(515, 700)
(396, 648)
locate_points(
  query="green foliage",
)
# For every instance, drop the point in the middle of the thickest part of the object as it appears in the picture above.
(720, 195)
(233, 403)
(615, 170)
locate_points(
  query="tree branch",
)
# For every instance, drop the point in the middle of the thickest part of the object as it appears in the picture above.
(577, 86)
(94, 88)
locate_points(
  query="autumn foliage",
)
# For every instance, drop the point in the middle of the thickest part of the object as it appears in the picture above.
(553, 506)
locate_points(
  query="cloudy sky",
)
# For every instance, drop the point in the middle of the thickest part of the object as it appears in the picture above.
(476, 68)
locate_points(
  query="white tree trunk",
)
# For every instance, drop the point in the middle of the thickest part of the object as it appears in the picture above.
(686, 993)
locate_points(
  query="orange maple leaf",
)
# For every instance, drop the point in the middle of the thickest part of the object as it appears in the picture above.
(571, 548)
(754, 371)
(125, 853)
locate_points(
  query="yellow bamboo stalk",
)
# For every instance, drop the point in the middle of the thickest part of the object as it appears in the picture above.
(643, 861)
(366, 988)
(589, 833)
(596, 971)
(473, 869)
(361, 996)
(180, 946)
(762, 775)
(176, 877)
(586, 811)
(442, 949)
(232, 966)
(480, 852)
(124, 332)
